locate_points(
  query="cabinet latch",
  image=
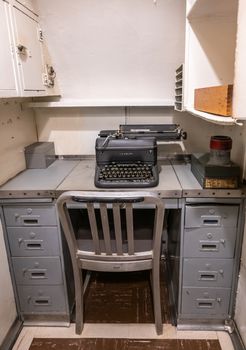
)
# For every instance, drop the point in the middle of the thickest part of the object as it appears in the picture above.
(40, 35)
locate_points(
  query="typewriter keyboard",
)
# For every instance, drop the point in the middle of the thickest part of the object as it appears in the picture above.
(137, 174)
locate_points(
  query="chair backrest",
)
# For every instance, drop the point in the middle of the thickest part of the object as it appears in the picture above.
(110, 218)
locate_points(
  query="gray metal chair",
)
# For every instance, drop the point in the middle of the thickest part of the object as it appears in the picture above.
(109, 248)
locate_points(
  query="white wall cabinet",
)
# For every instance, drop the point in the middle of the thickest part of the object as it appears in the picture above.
(212, 52)
(22, 63)
(8, 82)
(28, 52)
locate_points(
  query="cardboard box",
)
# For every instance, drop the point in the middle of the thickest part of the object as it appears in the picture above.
(215, 100)
(39, 155)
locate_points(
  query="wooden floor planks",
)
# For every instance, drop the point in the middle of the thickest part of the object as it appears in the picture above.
(124, 298)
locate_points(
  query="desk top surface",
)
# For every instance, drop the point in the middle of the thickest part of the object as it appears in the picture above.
(175, 181)
(82, 178)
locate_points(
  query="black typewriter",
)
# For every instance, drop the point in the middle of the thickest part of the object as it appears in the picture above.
(128, 157)
(126, 162)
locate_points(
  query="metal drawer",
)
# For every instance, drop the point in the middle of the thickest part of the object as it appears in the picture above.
(30, 216)
(206, 301)
(33, 241)
(35, 271)
(211, 215)
(42, 299)
(207, 272)
(209, 242)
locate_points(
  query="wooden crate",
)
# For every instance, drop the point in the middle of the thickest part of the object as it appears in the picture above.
(215, 100)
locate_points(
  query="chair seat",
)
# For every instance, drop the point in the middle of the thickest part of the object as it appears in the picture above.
(141, 245)
(115, 266)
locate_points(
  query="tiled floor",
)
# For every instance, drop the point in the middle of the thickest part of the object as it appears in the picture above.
(132, 303)
(144, 331)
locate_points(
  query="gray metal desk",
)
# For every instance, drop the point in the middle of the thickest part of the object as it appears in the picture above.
(37, 257)
(82, 178)
(38, 183)
(209, 251)
(34, 241)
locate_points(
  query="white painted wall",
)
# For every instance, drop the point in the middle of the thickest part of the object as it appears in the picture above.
(109, 49)
(74, 129)
(119, 49)
(17, 129)
(88, 40)
(199, 132)
(114, 49)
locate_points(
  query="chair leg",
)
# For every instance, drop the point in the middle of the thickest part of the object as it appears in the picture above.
(155, 275)
(87, 280)
(78, 301)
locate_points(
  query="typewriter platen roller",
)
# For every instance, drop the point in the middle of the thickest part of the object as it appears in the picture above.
(162, 132)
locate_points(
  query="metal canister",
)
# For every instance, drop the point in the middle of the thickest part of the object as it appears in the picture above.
(220, 150)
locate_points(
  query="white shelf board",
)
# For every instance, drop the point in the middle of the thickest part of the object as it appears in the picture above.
(101, 103)
(207, 8)
(217, 119)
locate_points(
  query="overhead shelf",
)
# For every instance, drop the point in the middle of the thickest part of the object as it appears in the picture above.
(101, 103)
(217, 119)
(212, 55)
(207, 8)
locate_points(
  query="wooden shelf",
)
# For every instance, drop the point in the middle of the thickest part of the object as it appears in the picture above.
(217, 119)
(212, 54)
(100, 103)
(207, 8)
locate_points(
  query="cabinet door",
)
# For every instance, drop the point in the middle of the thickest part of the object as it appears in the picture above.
(7, 67)
(240, 72)
(29, 53)
(27, 4)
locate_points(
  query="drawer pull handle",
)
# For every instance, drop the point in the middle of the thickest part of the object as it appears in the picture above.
(204, 304)
(42, 301)
(30, 221)
(210, 222)
(34, 245)
(207, 277)
(209, 246)
(38, 274)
